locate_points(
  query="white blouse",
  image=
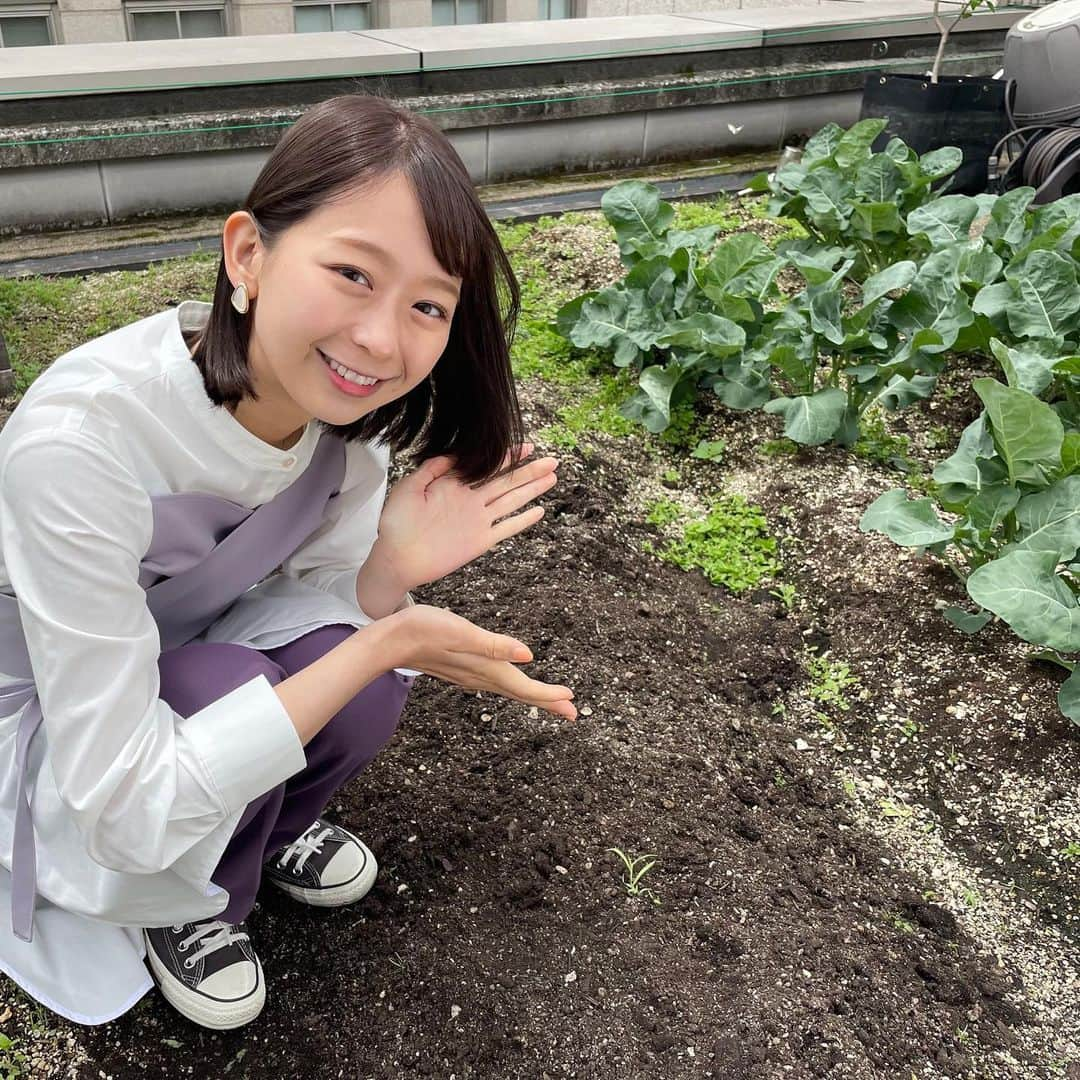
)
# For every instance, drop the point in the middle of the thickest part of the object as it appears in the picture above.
(132, 804)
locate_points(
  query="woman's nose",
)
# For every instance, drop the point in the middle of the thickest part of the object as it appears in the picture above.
(375, 331)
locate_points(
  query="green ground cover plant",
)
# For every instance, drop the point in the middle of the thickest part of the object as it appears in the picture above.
(731, 545)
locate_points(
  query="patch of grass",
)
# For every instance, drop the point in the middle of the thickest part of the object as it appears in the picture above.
(43, 318)
(594, 412)
(732, 546)
(905, 926)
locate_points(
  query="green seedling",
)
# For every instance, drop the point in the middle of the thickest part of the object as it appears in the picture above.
(636, 869)
(786, 595)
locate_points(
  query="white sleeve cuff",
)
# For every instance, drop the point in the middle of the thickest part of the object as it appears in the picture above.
(246, 743)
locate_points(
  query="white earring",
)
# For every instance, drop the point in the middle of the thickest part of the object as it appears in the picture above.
(240, 299)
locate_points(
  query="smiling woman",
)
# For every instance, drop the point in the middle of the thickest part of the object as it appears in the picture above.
(205, 619)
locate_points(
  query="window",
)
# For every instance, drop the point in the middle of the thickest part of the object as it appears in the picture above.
(451, 12)
(312, 18)
(25, 26)
(555, 9)
(153, 22)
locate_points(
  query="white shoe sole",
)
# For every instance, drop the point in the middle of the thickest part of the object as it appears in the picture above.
(196, 1007)
(337, 895)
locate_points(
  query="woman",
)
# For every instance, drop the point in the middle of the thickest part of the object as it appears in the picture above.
(205, 621)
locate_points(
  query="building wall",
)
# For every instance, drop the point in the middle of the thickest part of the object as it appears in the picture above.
(81, 21)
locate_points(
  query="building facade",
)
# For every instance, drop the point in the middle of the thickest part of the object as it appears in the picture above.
(72, 22)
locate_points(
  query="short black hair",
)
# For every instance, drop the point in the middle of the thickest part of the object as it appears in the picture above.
(468, 406)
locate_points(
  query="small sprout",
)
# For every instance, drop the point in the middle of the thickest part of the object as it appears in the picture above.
(786, 595)
(636, 869)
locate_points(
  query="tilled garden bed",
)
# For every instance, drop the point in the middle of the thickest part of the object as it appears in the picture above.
(876, 886)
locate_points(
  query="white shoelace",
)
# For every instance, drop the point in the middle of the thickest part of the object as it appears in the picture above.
(210, 936)
(303, 847)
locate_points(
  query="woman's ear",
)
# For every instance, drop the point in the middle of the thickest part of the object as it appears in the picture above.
(243, 251)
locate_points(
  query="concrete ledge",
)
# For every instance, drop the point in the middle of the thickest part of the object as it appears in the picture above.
(110, 67)
(208, 62)
(854, 20)
(579, 39)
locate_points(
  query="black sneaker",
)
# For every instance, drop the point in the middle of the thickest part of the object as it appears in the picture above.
(326, 867)
(208, 972)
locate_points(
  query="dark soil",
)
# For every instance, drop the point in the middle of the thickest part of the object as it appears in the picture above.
(499, 940)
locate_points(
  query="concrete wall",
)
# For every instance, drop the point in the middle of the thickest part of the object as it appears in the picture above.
(102, 133)
(82, 21)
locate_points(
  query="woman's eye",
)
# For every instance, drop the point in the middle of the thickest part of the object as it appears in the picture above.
(356, 276)
(436, 311)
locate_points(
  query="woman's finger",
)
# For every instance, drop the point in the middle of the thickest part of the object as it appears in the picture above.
(511, 526)
(509, 481)
(517, 498)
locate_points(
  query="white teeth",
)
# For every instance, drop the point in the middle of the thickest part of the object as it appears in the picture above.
(351, 376)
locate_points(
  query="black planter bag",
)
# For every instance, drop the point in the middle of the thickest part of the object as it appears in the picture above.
(967, 111)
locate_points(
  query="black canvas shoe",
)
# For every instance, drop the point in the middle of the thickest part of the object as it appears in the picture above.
(326, 867)
(208, 972)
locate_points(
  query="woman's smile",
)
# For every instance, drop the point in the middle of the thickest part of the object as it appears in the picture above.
(349, 381)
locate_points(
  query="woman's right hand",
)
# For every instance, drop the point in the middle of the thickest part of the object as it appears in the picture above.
(440, 643)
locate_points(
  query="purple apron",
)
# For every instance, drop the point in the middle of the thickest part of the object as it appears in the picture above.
(205, 552)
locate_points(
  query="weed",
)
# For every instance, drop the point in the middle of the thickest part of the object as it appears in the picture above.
(780, 779)
(778, 448)
(731, 546)
(786, 594)
(709, 451)
(663, 512)
(635, 871)
(11, 1059)
(905, 926)
(830, 682)
(890, 808)
(592, 412)
(879, 445)
(971, 898)
(1071, 850)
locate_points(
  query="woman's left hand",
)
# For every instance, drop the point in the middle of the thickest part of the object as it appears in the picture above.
(433, 523)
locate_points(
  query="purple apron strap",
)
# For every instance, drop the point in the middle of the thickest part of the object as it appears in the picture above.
(214, 549)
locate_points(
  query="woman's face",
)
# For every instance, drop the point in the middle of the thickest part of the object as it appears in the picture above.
(351, 310)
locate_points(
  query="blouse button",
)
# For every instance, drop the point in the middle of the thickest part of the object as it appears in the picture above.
(288, 462)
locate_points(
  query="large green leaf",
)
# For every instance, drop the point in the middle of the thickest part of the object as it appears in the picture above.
(659, 383)
(1008, 218)
(979, 264)
(1069, 696)
(1050, 520)
(958, 475)
(910, 523)
(636, 211)
(744, 264)
(1022, 588)
(708, 333)
(938, 164)
(655, 277)
(1070, 453)
(991, 506)
(877, 222)
(821, 145)
(618, 319)
(1046, 296)
(828, 199)
(854, 145)
(898, 276)
(1030, 366)
(744, 383)
(878, 180)
(943, 221)
(825, 314)
(812, 419)
(1026, 431)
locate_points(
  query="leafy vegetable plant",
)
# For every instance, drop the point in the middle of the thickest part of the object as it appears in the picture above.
(1011, 493)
